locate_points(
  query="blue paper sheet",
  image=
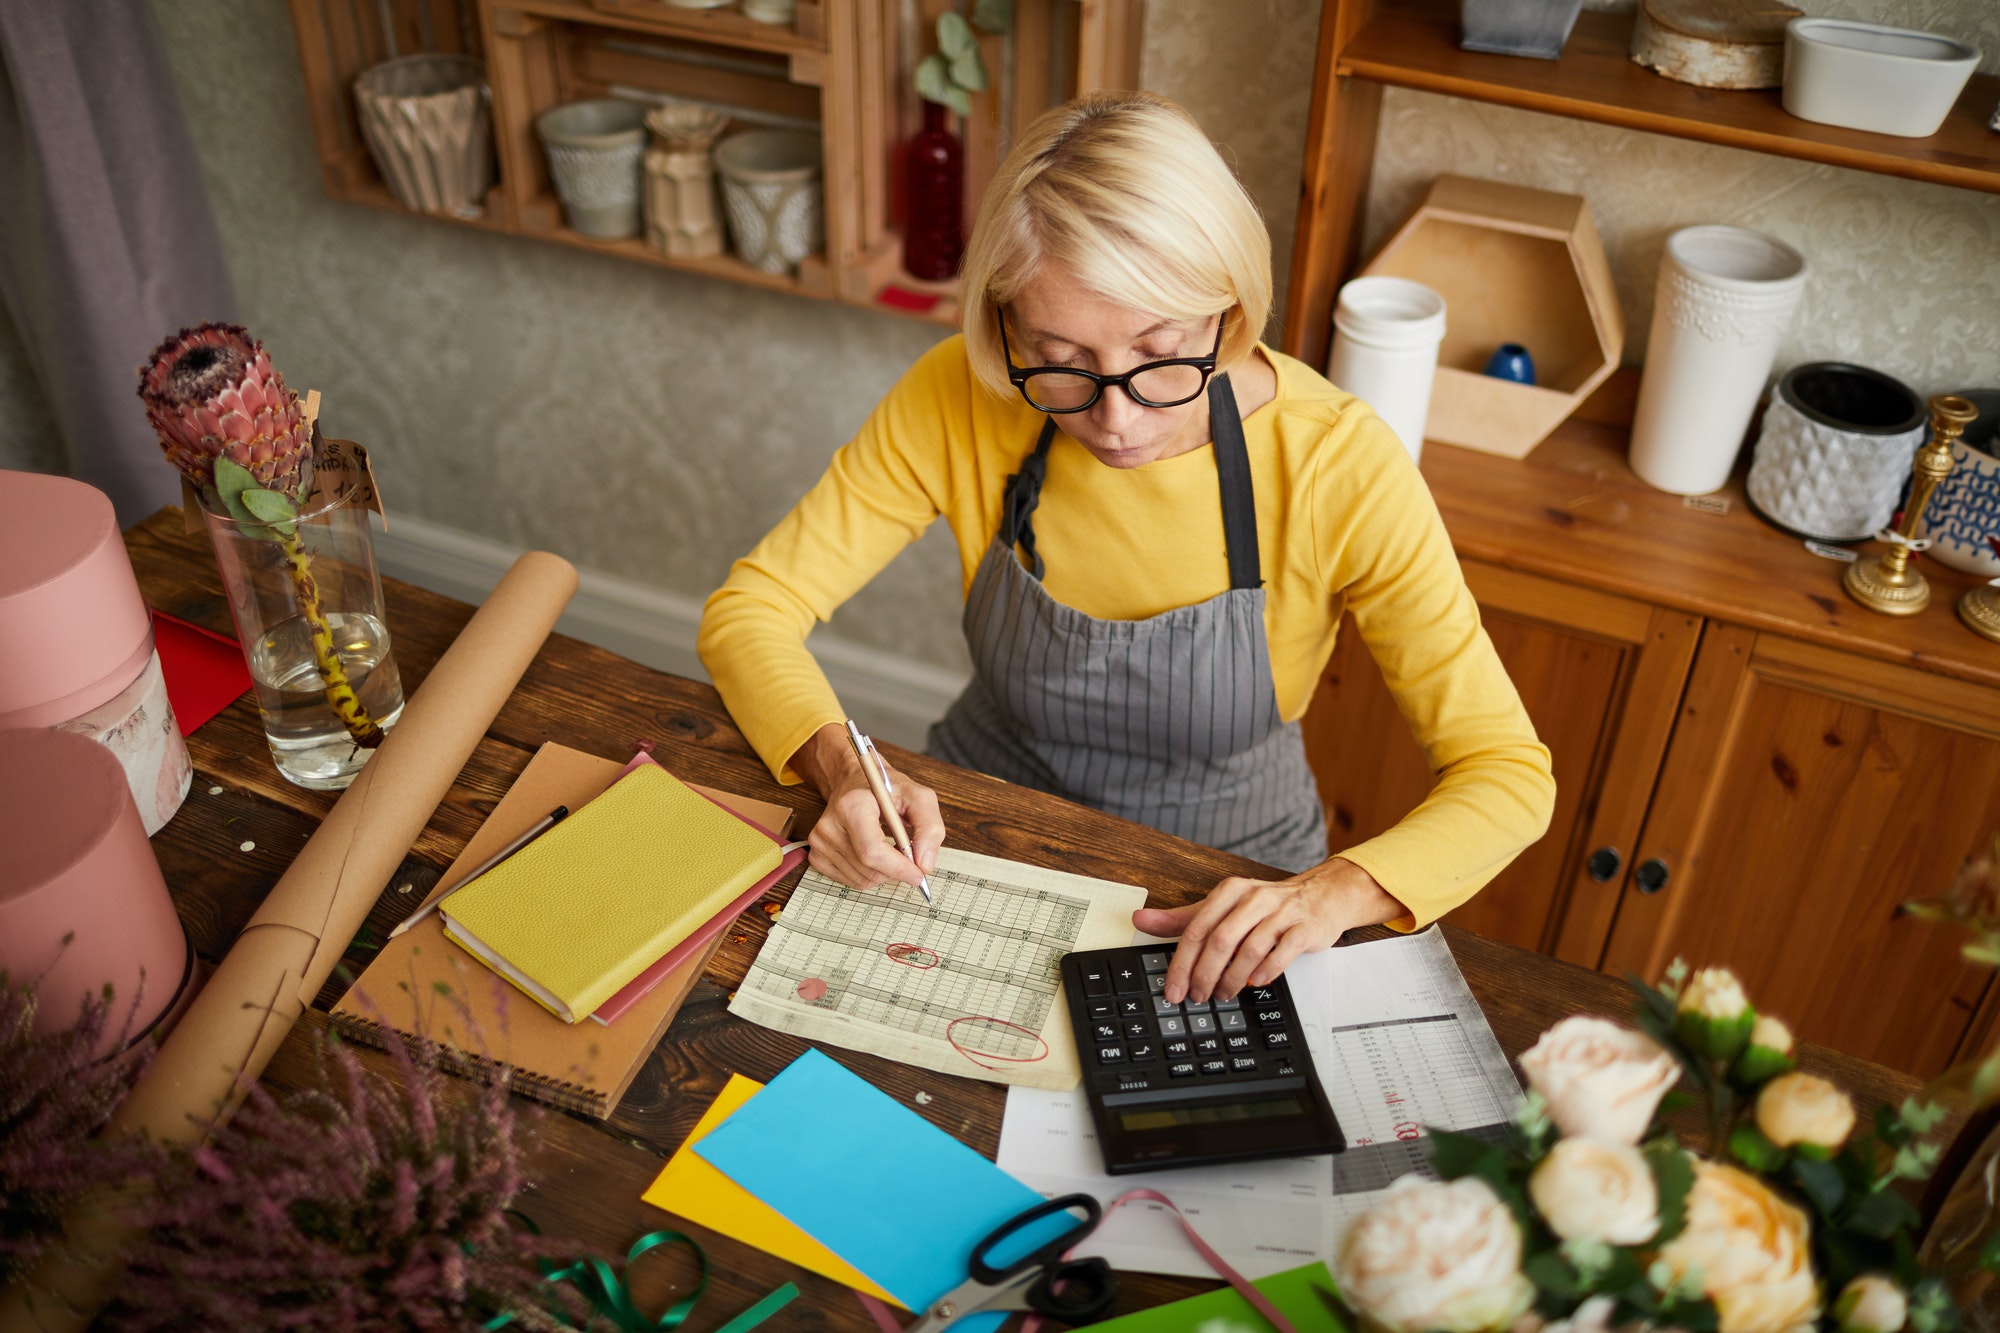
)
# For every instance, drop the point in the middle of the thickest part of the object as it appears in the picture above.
(872, 1180)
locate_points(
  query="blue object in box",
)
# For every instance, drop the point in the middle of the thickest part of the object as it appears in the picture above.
(1510, 361)
(873, 1181)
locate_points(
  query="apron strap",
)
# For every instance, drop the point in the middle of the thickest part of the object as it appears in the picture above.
(1023, 494)
(1232, 473)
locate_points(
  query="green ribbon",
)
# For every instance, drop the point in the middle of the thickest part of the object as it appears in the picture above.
(608, 1295)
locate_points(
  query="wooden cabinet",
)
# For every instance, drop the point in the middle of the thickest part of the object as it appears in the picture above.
(841, 68)
(1601, 676)
(1773, 768)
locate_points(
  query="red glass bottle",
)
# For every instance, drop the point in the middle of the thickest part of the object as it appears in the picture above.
(934, 176)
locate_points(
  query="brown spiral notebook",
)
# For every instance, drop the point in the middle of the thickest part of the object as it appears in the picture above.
(421, 984)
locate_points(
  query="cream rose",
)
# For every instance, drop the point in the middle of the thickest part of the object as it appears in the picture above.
(1601, 1081)
(1435, 1256)
(1588, 1189)
(1796, 1109)
(1771, 1034)
(1750, 1249)
(1715, 994)
(1872, 1304)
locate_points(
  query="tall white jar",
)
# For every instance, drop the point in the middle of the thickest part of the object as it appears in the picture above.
(1386, 333)
(1726, 297)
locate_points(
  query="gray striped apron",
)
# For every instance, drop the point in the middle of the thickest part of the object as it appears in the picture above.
(1171, 721)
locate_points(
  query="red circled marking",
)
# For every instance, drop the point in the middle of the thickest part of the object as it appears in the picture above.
(958, 1046)
(913, 955)
(1408, 1131)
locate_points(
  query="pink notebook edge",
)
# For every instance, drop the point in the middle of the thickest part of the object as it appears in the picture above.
(636, 989)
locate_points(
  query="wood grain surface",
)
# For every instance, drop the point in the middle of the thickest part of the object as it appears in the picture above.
(589, 1174)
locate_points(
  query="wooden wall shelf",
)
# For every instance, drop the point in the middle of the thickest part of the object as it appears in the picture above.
(839, 67)
(1414, 44)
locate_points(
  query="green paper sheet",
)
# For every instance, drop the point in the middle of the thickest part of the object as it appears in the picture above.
(1296, 1293)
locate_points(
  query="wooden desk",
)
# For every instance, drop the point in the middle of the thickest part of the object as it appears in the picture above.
(589, 1174)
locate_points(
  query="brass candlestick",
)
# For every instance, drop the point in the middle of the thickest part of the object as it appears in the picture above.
(1886, 583)
(1980, 610)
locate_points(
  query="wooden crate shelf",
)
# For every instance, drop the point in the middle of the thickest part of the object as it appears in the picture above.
(838, 69)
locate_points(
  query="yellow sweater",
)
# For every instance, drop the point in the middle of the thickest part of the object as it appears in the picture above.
(1344, 523)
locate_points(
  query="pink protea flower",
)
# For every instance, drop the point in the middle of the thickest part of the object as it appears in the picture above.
(211, 392)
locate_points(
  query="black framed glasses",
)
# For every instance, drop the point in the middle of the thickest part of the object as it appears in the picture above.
(1059, 389)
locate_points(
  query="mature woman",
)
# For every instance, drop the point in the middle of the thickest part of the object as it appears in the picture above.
(1160, 523)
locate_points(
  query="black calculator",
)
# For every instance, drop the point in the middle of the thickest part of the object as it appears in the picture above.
(1191, 1084)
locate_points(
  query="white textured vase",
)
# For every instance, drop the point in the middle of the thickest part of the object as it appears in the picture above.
(1726, 297)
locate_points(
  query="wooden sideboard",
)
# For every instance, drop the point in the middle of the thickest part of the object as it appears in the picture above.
(1752, 769)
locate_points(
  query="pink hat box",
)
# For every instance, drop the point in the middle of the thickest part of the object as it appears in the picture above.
(76, 642)
(82, 902)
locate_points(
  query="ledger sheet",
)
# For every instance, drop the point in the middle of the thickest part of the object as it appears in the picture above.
(967, 986)
(1399, 1044)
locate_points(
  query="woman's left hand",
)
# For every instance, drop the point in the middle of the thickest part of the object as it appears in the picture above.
(1247, 931)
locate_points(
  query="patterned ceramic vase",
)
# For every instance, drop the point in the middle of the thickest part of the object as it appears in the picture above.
(771, 188)
(1963, 518)
(594, 150)
(428, 126)
(1835, 450)
(1725, 298)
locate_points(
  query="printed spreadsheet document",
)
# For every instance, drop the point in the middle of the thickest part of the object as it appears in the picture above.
(1399, 1044)
(967, 986)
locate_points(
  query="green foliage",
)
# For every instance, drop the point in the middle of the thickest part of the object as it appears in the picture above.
(1673, 1178)
(232, 481)
(956, 70)
(1748, 1145)
(273, 508)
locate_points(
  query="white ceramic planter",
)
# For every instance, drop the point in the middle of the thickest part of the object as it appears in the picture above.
(1725, 298)
(1869, 76)
(1835, 450)
(594, 150)
(771, 188)
(1386, 333)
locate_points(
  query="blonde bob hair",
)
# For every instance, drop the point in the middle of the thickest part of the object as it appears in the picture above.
(1124, 191)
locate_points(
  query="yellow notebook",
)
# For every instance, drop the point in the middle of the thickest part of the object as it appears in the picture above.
(586, 907)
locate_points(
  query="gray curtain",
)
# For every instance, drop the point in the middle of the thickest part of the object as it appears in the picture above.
(107, 240)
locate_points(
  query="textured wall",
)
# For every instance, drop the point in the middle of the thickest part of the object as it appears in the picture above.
(653, 424)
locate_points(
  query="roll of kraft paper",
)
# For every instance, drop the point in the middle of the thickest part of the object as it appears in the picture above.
(277, 965)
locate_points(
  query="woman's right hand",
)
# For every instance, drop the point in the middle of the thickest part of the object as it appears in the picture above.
(851, 842)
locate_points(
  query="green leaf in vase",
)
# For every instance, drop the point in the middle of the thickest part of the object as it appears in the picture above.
(969, 71)
(274, 508)
(933, 79)
(955, 36)
(994, 16)
(232, 479)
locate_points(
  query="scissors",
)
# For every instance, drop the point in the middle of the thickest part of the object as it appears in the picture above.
(1075, 1291)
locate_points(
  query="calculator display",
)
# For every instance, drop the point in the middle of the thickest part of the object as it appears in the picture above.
(1164, 1117)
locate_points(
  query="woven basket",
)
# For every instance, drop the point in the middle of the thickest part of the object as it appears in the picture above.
(428, 126)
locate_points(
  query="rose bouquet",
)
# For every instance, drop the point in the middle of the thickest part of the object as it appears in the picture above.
(1593, 1216)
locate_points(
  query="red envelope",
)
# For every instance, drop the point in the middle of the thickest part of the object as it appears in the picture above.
(204, 670)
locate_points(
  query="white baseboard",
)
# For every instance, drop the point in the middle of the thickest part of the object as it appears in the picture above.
(895, 700)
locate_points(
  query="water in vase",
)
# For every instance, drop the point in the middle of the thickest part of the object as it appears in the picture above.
(308, 740)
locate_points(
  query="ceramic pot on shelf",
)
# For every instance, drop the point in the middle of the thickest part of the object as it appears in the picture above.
(429, 127)
(1963, 518)
(594, 150)
(1835, 450)
(771, 188)
(1726, 296)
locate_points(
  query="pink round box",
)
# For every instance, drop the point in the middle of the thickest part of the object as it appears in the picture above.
(76, 640)
(82, 901)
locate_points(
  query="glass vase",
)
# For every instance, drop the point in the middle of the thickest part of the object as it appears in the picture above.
(934, 175)
(307, 602)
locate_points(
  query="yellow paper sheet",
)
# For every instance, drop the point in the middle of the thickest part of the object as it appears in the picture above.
(689, 1187)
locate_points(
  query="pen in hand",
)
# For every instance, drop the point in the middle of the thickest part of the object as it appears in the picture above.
(876, 770)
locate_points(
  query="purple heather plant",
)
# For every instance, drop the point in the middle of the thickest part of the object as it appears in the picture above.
(361, 1202)
(55, 1094)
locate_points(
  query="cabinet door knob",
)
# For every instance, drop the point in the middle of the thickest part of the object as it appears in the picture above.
(1651, 875)
(1604, 863)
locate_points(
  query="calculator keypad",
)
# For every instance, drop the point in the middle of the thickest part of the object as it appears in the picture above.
(1247, 1037)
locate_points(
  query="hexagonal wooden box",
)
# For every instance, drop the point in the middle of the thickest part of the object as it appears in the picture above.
(1513, 265)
